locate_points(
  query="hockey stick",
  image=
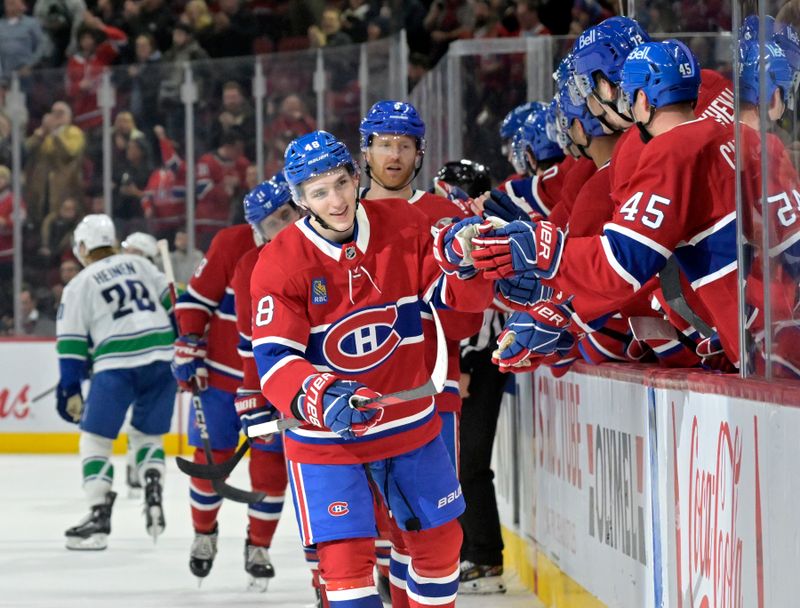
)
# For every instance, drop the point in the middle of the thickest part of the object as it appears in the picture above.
(219, 485)
(44, 394)
(653, 328)
(433, 386)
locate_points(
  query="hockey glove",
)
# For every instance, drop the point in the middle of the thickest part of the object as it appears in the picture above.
(712, 355)
(460, 198)
(499, 204)
(452, 246)
(518, 248)
(253, 408)
(188, 363)
(520, 293)
(531, 338)
(327, 401)
(69, 402)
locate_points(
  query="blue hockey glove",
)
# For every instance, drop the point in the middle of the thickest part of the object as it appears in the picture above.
(520, 293)
(328, 401)
(518, 248)
(188, 363)
(69, 402)
(452, 246)
(499, 204)
(253, 408)
(531, 338)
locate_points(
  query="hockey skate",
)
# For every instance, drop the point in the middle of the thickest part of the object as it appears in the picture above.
(384, 588)
(481, 580)
(91, 534)
(258, 565)
(132, 481)
(153, 510)
(204, 549)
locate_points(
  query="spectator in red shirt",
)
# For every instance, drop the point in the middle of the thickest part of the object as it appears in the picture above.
(6, 221)
(293, 120)
(85, 68)
(528, 17)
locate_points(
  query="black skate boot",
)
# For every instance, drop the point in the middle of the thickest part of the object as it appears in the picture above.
(204, 549)
(384, 588)
(153, 510)
(481, 580)
(92, 533)
(258, 565)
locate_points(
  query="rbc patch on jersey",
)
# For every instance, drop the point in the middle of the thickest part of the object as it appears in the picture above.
(319, 291)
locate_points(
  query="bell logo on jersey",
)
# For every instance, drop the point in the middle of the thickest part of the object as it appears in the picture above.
(362, 340)
(338, 508)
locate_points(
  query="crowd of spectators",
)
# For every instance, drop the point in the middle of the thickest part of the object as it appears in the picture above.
(60, 49)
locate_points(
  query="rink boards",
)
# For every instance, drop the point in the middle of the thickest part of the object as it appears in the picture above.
(30, 368)
(632, 487)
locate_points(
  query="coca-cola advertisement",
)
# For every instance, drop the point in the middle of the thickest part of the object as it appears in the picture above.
(731, 533)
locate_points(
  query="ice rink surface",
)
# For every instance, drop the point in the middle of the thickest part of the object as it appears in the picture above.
(41, 497)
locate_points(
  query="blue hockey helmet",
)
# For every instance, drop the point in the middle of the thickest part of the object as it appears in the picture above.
(749, 28)
(392, 118)
(787, 38)
(536, 141)
(780, 75)
(628, 28)
(266, 198)
(565, 69)
(514, 119)
(570, 111)
(599, 50)
(667, 72)
(312, 155)
(554, 129)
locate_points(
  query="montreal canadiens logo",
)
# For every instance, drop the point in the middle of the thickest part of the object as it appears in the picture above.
(362, 340)
(338, 508)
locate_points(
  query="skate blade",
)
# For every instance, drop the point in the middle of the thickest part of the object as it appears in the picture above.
(96, 542)
(484, 586)
(258, 585)
(156, 528)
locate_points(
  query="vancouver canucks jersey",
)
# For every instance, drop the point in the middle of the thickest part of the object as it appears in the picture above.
(114, 312)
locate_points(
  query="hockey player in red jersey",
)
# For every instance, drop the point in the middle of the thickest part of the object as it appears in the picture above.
(206, 356)
(268, 209)
(782, 247)
(679, 201)
(336, 305)
(393, 146)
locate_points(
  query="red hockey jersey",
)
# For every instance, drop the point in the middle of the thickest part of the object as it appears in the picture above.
(714, 100)
(579, 174)
(457, 326)
(214, 178)
(353, 309)
(244, 316)
(680, 200)
(208, 305)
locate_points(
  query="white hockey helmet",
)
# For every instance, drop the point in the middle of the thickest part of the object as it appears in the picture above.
(141, 243)
(93, 231)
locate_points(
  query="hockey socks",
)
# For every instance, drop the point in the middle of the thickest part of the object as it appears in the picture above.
(346, 566)
(98, 472)
(204, 500)
(267, 474)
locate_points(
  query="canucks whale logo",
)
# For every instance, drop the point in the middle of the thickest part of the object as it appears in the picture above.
(319, 291)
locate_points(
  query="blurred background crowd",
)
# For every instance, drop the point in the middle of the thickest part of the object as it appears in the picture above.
(59, 50)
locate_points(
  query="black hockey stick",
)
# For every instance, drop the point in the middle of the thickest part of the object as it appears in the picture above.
(219, 485)
(215, 470)
(433, 386)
